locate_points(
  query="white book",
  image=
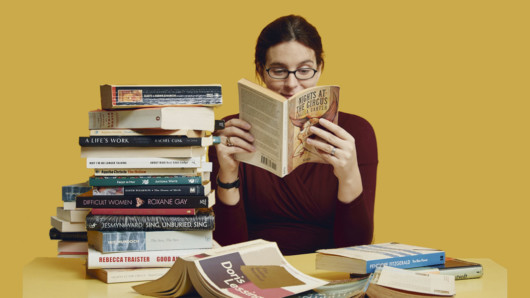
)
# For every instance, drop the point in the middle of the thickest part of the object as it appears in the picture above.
(66, 226)
(72, 215)
(181, 152)
(138, 259)
(142, 162)
(111, 276)
(170, 118)
(72, 246)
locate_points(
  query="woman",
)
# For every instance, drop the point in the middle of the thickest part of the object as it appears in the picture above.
(317, 205)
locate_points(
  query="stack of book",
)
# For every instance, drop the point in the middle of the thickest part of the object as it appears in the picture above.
(68, 226)
(151, 197)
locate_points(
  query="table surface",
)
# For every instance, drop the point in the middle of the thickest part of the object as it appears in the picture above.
(66, 277)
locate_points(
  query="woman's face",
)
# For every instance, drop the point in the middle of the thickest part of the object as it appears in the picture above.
(290, 55)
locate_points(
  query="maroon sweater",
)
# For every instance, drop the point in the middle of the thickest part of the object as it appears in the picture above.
(301, 212)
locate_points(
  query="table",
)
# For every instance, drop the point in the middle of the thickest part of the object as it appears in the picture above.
(65, 277)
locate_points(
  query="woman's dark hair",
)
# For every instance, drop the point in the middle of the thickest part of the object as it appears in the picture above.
(287, 28)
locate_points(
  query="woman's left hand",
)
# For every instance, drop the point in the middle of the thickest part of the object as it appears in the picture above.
(337, 147)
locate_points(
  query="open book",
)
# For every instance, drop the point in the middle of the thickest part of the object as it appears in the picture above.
(248, 269)
(280, 126)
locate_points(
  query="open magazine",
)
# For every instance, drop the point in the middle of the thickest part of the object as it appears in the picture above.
(249, 269)
(281, 126)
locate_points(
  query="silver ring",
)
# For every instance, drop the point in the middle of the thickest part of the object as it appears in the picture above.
(332, 153)
(228, 142)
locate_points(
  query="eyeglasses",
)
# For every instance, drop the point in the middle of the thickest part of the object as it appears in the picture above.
(280, 73)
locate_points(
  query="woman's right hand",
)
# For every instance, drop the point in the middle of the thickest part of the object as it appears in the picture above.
(235, 138)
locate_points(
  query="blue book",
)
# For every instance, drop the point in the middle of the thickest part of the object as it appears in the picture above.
(364, 259)
(72, 191)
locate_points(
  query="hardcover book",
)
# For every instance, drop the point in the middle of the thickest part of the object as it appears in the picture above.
(248, 269)
(204, 220)
(67, 236)
(203, 171)
(366, 258)
(146, 211)
(143, 162)
(145, 201)
(171, 118)
(281, 126)
(144, 180)
(141, 96)
(146, 141)
(146, 241)
(158, 190)
(137, 259)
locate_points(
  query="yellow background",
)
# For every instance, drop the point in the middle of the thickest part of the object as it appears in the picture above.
(444, 83)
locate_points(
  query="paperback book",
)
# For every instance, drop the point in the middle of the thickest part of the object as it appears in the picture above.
(144, 180)
(281, 126)
(147, 241)
(254, 268)
(69, 192)
(364, 259)
(146, 211)
(118, 275)
(160, 190)
(171, 118)
(142, 162)
(67, 236)
(147, 141)
(87, 200)
(204, 220)
(141, 96)
(146, 152)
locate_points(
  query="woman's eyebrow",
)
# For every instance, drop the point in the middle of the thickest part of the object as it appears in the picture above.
(279, 64)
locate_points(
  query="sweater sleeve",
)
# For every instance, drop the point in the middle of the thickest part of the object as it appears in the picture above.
(230, 221)
(354, 222)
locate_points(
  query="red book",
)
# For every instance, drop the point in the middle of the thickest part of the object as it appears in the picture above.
(144, 211)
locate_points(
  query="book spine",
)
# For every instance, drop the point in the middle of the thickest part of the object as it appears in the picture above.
(464, 272)
(143, 201)
(139, 162)
(151, 190)
(149, 241)
(115, 96)
(111, 276)
(149, 223)
(410, 261)
(143, 211)
(146, 180)
(143, 141)
(139, 259)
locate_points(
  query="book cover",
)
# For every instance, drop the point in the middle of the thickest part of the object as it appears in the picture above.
(204, 220)
(146, 141)
(281, 126)
(146, 201)
(460, 269)
(144, 180)
(146, 241)
(141, 96)
(158, 190)
(171, 118)
(146, 211)
(118, 275)
(248, 269)
(142, 162)
(363, 259)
